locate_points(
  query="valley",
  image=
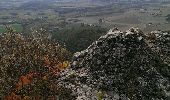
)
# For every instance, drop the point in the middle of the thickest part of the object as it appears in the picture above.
(57, 16)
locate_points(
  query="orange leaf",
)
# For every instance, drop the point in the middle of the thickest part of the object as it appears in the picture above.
(46, 60)
(63, 65)
(25, 80)
(13, 96)
(18, 86)
(45, 77)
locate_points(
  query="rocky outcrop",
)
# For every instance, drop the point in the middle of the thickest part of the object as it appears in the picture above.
(161, 46)
(121, 66)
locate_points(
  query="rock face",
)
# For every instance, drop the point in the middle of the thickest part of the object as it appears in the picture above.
(161, 45)
(121, 66)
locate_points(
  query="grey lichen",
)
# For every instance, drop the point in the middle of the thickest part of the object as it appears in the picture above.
(124, 65)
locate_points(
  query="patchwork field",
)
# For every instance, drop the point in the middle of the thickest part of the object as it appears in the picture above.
(148, 17)
(16, 27)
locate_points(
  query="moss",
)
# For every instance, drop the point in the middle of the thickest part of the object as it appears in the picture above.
(100, 95)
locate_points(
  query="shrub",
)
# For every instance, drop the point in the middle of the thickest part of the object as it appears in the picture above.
(29, 65)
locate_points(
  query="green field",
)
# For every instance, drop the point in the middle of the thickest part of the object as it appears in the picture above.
(2, 28)
(16, 27)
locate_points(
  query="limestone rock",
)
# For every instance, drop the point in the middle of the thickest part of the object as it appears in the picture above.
(120, 65)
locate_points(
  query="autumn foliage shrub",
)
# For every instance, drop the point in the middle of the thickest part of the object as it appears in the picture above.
(29, 65)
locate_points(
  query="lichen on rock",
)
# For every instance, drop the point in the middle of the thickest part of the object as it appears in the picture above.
(120, 65)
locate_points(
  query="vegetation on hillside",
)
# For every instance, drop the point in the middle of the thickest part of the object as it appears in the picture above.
(17, 28)
(29, 65)
(80, 37)
(168, 18)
